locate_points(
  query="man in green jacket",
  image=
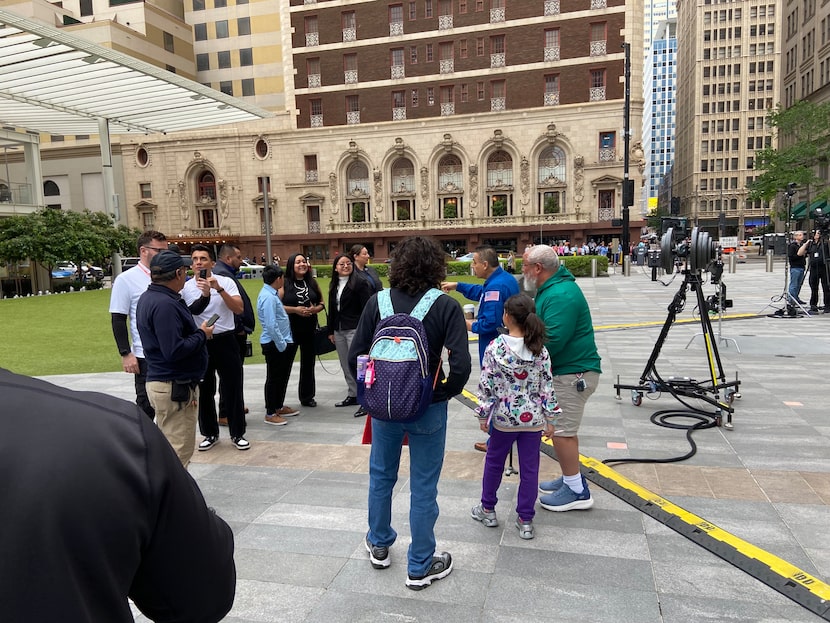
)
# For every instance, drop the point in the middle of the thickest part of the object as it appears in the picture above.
(575, 365)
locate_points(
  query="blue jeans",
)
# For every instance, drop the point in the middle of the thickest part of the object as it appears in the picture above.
(796, 279)
(427, 438)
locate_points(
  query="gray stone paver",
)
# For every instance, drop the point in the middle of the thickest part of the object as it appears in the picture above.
(299, 523)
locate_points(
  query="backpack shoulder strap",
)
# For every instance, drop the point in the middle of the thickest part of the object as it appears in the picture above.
(425, 304)
(385, 304)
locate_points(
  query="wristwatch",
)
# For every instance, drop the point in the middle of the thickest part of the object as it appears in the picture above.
(124, 352)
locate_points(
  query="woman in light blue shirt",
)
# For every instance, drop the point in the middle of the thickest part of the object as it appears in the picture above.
(275, 338)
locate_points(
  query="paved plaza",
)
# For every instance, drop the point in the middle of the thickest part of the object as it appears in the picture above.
(297, 500)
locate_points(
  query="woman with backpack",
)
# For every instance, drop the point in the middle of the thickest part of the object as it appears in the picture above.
(348, 294)
(303, 300)
(516, 404)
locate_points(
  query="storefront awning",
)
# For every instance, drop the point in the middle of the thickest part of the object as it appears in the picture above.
(798, 211)
(817, 204)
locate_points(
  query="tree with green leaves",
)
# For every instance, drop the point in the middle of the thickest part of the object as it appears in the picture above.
(803, 132)
(51, 236)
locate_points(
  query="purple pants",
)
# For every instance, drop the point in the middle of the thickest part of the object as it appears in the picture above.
(497, 451)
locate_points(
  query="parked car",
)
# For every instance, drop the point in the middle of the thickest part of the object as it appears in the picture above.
(64, 270)
(755, 241)
(68, 270)
(467, 257)
(128, 262)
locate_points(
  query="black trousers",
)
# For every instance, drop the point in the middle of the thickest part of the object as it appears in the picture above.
(242, 340)
(277, 372)
(818, 274)
(141, 398)
(308, 386)
(224, 360)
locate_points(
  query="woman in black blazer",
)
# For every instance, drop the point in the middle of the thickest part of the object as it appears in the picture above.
(348, 294)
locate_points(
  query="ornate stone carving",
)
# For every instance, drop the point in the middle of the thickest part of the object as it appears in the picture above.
(335, 208)
(183, 200)
(551, 134)
(524, 180)
(579, 178)
(378, 179)
(425, 188)
(498, 138)
(222, 186)
(473, 187)
(448, 143)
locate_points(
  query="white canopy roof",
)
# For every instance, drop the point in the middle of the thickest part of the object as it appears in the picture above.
(54, 82)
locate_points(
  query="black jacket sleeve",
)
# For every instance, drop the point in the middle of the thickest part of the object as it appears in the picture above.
(187, 572)
(199, 305)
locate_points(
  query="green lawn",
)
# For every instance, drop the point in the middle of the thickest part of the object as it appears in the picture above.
(72, 333)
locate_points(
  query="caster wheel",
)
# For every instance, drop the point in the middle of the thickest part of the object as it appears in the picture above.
(730, 397)
(636, 398)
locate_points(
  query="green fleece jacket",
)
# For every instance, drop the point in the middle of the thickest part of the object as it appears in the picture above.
(563, 308)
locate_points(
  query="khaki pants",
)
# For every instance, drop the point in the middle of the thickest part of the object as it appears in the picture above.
(176, 421)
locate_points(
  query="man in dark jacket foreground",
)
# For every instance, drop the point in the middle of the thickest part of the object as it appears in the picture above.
(101, 512)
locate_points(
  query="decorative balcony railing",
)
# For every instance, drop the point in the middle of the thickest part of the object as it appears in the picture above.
(314, 227)
(497, 60)
(262, 228)
(349, 34)
(353, 117)
(496, 15)
(447, 109)
(552, 99)
(399, 114)
(453, 223)
(350, 76)
(397, 72)
(607, 154)
(597, 94)
(311, 176)
(599, 4)
(316, 121)
(395, 29)
(497, 103)
(444, 22)
(598, 48)
(551, 7)
(314, 81)
(552, 53)
(446, 66)
(312, 39)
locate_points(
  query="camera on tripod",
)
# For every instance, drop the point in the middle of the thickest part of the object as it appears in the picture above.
(677, 246)
(822, 222)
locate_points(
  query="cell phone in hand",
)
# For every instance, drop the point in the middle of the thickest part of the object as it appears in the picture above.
(203, 275)
(212, 320)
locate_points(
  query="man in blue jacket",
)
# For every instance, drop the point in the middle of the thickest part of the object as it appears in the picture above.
(498, 286)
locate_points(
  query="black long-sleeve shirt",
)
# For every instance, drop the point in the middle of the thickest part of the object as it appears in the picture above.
(445, 328)
(96, 507)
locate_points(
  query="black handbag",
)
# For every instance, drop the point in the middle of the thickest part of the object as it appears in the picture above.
(322, 344)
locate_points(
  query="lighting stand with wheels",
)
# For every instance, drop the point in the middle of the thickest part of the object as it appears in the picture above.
(699, 252)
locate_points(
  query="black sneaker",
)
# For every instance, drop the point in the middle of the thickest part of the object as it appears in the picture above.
(207, 443)
(378, 555)
(440, 568)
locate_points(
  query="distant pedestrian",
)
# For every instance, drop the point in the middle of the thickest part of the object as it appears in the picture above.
(275, 340)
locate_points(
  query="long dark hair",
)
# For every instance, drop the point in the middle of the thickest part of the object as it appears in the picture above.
(418, 265)
(522, 309)
(335, 276)
(310, 281)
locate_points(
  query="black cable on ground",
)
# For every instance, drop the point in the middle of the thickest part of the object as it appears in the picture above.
(662, 418)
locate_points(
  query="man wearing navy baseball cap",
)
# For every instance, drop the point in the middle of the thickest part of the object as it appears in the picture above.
(175, 351)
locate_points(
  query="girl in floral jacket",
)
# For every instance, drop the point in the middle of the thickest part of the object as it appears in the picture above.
(516, 403)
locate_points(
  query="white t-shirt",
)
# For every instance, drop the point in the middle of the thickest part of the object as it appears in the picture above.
(191, 293)
(126, 290)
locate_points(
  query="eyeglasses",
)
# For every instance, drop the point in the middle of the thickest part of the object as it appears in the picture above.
(347, 265)
(156, 249)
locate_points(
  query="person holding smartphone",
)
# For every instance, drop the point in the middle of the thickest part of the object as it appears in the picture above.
(175, 351)
(208, 295)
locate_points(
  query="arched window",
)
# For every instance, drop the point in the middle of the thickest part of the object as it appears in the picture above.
(499, 170)
(449, 173)
(357, 191)
(552, 166)
(50, 189)
(207, 186)
(403, 189)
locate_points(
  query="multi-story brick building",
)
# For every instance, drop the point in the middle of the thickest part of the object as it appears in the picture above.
(472, 121)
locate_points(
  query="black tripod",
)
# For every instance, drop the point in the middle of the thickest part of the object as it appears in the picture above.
(708, 391)
(789, 301)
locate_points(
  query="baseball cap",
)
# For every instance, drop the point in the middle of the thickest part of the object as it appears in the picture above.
(167, 261)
